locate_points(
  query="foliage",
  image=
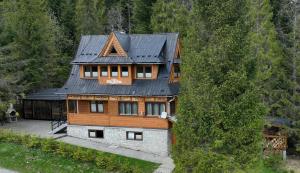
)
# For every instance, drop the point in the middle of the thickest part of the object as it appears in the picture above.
(170, 16)
(90, 17)
(104, 161)
(142, 11)
(220, 112)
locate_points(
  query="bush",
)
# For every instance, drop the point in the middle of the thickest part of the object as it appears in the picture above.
(49, 145)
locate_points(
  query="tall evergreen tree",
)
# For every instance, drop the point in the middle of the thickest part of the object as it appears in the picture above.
(34, 52)
(141, 15)
(220, 113)
(90, 17)
(286, 96)
(170, 16)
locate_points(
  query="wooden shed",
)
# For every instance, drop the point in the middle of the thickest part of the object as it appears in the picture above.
(275, 134)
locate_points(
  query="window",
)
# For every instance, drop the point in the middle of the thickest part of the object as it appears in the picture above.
(97, 106)
(91, 71)
(154, 109)
(124, 71)
(113, 50)
(104, 71)
(72, 104)
(96, 133)
(114, 71)
(176, 71)
(128, 108)
(138, 136)
(139, 72)
(148, 72)
(143, 71)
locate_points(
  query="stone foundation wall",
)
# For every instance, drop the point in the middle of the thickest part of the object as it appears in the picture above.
(155, 141)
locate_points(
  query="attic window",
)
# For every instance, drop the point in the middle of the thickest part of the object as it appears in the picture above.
(91, 71)
(113, 50)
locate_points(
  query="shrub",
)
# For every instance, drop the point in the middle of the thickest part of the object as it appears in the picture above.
(49, 145)
(31, 141)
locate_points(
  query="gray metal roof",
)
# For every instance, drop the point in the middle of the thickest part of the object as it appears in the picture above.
(47, 94)
(159, 87)
(140, 48)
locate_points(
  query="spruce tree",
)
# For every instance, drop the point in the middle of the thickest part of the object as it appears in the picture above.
(220, 113)
(34, 52)
(141, 15)
(170, 16)
(90, 17)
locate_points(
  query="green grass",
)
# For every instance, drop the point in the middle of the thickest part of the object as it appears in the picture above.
(25, 160)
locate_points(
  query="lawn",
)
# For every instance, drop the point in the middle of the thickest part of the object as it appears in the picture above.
(27, 160)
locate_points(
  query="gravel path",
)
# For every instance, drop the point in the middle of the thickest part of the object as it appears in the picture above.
(2, 170)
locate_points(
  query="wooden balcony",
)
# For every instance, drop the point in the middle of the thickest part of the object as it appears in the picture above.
(121, 121)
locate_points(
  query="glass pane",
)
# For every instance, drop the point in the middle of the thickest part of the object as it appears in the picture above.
(138, 136)
(87, 71)
(134, 109)
(95, 74)
(140, 72)
(128, 108)
(148, 71)
(149, 108)
(114, 71)
(122, 108)
(130, 135)
(100, 107)
(156, 109)
(162, 108)
(125, 71)
(93, 106)
(87, 74)
(103, 71)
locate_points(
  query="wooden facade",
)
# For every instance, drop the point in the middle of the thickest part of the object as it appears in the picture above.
(111, 116)
(121, 80)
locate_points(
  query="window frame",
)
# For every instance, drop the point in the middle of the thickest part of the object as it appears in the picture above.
(90, 71)
(102, 70)
(97, 103)
(111, 72)
(122, 71)
(75, 106)
(94, 130)
(144, 71)
(135, 134)
(152, 110)
(178, 73)
(131, 108)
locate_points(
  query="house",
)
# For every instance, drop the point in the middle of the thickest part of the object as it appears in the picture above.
(123, 90)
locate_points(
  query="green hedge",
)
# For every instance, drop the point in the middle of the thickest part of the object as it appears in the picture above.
(105, 161)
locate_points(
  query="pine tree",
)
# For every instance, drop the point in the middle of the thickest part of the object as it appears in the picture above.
(170, 16)
(220, 113)
(33, 53)
(90, 17)
(141, 15)
(285, 91)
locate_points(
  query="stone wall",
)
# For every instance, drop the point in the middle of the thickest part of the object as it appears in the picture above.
(155, 141)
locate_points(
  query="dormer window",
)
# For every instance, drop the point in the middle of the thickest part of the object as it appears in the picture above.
(176, 71)
(113, 50)
(91, 71)
(124, 71)
(144, 71)
(114, 71)
(104, 72)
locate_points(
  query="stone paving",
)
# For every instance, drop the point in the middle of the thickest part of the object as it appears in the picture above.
(41, 128)
(2, 170)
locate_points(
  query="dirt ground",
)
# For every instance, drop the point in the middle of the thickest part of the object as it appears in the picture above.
(293, 163)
